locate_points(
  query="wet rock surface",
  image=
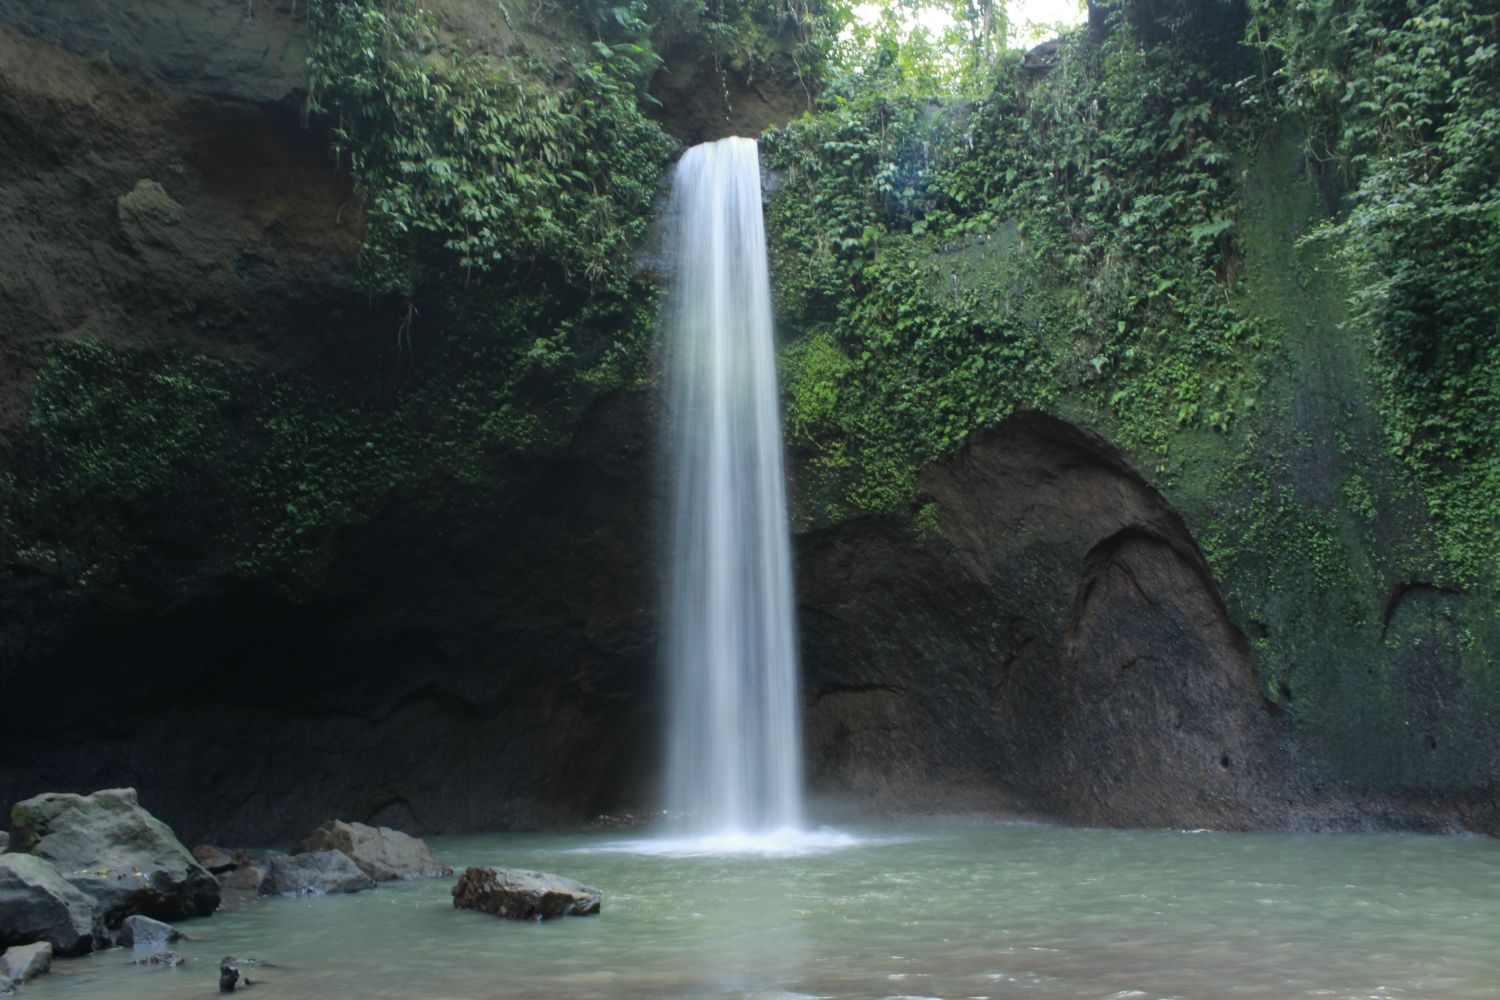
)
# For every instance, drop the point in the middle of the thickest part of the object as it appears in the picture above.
(524, 895)
(24, 962)
(380, 852)
(313, 873)
(143, 932)
(38, 904)
(110, 848)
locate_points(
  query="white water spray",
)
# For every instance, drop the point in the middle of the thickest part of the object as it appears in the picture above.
(734, 753)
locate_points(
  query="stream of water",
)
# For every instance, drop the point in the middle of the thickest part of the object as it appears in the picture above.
(996, 911)
(734, 750)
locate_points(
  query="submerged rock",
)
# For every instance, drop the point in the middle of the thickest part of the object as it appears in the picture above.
(380, 852)
(106, 845)
(168, 958)
(314, 873)
(25, 962)
(142, 932)
(229, 974)
(38, 904)
(524, 895)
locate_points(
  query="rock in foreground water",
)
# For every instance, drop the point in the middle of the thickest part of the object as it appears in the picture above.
(524, 895)
(380, 852)
(143, 932)
(25, 962)
(313, 874)
(38, 904)
(109, 847)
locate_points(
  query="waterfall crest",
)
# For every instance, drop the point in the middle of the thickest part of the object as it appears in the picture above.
(734, 744)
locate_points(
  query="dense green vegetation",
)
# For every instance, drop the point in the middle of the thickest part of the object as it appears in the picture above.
(1068, 234)
(1074, 236)
(479, 161)
(1404, 98)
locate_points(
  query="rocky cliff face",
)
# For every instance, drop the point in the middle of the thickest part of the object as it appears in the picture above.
(1059, 647)
(179, 291)
(267, 558)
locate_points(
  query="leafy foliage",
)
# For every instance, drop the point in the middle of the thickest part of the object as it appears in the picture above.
(1405, 97)
(1066, 235)
(465, 158)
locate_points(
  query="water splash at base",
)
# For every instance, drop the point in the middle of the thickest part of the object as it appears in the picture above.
(780, 843)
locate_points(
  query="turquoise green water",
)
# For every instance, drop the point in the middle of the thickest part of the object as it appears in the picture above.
(1006, 911)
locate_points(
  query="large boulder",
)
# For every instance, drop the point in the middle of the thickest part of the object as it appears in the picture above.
(109, 847)
(38, 904)
(25, 962)
(524, 895)
(313, 874)
(381, 853)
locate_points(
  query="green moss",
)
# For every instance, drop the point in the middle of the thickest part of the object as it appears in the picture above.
(925, 523)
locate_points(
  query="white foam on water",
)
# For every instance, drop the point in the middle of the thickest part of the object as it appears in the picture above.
(782, 842)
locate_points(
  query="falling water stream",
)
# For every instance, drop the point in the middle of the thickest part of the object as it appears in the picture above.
(734, 751)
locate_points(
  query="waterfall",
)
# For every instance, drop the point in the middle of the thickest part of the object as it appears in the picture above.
(734, 745)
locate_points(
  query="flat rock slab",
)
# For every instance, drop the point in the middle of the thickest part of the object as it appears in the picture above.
(524, 895)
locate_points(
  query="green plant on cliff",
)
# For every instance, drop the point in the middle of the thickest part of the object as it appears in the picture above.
(112, 439)
(470, 161)
(1070, 234)
(1404, 96)
(744, 34)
